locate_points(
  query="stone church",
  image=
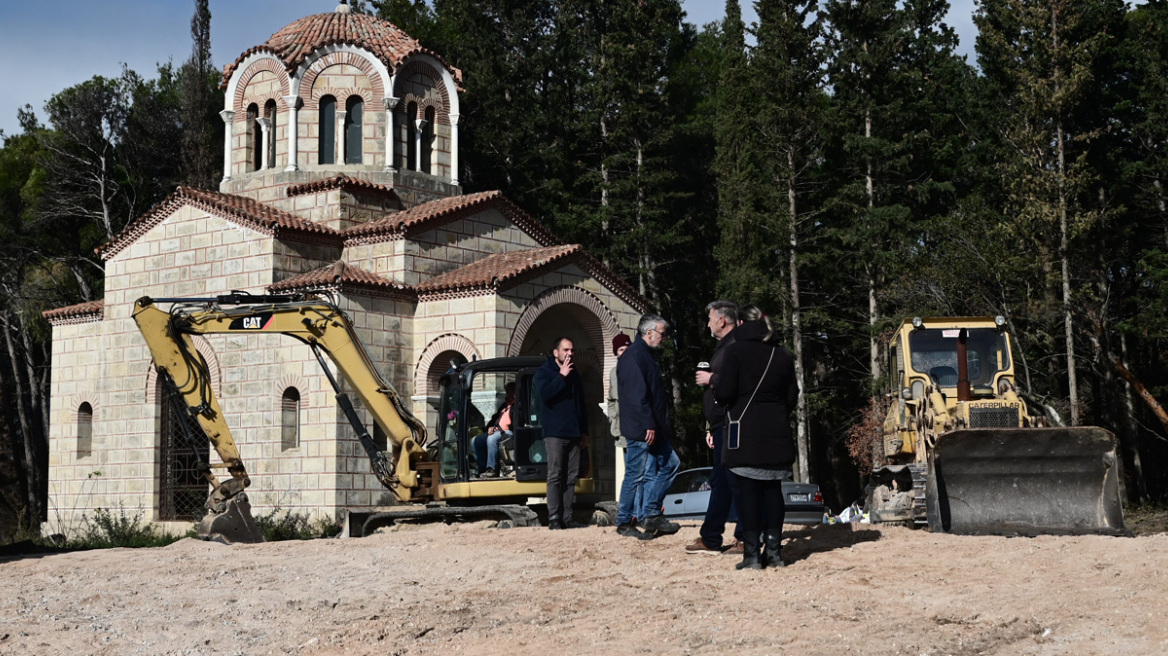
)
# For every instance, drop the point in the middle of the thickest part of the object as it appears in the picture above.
(340, 172)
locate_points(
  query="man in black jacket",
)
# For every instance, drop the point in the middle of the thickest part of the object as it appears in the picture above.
(644, 415)
(722, 318)
(565, 430)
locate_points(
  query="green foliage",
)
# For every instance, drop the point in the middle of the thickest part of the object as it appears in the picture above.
(277, 525)
(106, 528)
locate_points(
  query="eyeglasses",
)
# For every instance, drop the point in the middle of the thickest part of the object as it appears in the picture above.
(662, 332)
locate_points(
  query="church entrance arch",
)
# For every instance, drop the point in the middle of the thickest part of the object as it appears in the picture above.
(578, 315)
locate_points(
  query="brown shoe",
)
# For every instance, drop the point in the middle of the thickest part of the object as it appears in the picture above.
(699, 547)
(736, 549)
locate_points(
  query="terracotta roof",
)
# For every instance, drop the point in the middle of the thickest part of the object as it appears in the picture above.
(244, 211)
(340, 182)
(80, 313)
(500, 271)
(296, 42)
(506, 270)
(339, 275)
(435, 213)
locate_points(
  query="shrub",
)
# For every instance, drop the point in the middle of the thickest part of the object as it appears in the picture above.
(278, 525)
(107, 529)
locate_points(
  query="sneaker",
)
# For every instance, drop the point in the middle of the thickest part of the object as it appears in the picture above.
(489, 473)
(555, 525)
(736, 549)
(658, 525)
(699, 547)
(630, 531)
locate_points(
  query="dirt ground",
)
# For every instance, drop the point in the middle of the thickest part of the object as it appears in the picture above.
(437, 589)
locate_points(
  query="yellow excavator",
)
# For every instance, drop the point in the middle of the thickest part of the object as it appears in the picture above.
(428, 479)
(962, 453)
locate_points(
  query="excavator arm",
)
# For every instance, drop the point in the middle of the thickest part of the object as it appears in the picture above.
(310, 318)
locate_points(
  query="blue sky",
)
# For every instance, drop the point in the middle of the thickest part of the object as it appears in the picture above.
(47, 47)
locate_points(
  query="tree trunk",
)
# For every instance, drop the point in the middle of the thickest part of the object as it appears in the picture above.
(802, 436)
(29, 434)
(1132, 430)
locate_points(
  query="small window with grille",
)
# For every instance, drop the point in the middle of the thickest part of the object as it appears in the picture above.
(84, 430)
(290, 419)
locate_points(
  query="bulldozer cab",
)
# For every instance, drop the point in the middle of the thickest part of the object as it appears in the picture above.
(961, 453)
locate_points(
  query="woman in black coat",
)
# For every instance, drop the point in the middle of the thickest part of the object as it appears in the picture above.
(757, 384)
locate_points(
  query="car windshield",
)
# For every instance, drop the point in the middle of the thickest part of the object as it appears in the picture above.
(934, 352)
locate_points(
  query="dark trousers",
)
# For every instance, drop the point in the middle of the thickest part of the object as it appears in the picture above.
(563, 454)
(760, 504)
(722, 499)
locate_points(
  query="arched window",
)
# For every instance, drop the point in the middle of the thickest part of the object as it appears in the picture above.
(354, 108)
(290, 419)
(411, 137)
(254, 138)
(84, 430)
(428, 140)
(327, 139)
(270, 114)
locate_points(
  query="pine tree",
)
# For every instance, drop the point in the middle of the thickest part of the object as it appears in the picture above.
(1041, 55)
(787, 71)
(202, 128)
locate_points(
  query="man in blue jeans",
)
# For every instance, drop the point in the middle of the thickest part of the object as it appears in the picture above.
(650, 462)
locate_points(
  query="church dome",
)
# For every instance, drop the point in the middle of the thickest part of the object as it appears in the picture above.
(295, 43)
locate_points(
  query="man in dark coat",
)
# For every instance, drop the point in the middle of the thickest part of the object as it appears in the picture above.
(565, 430)
(722, 318)
(644, 415)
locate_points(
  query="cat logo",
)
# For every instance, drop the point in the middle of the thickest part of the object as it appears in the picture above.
(256, 322)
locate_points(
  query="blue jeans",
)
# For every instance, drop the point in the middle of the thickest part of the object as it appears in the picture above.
(649, 471)
(723, 497)
(661, 467)
(486, 447)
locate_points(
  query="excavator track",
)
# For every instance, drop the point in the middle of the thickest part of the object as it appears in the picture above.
(508, 516)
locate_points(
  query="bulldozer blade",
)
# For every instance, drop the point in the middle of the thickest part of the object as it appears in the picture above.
(1025, 481)
(234, 524)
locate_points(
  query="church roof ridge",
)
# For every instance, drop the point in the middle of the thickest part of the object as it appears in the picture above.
(78, 313)
(295, 42)
(339, 182)
(238, 209)
(341, 275)
(432, 214)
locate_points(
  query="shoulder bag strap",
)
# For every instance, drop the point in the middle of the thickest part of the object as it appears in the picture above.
(751, 399)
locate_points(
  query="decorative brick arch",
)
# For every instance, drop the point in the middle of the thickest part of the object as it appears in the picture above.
(606, 323)
(204, 349)
(435, 82)
(376, 83)
(290, 380)
(75, 402)
(440, 345)
(442, 117)
(265, 64)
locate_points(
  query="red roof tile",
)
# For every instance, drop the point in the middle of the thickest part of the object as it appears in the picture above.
(244, 211)
(500, 271)
(340, 182)
(506, 270)
(340, 275)
(435, 213)
(80, 313)
(297, 41)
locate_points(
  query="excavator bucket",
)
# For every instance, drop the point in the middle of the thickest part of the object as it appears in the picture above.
(234, 524)
(1026, 481)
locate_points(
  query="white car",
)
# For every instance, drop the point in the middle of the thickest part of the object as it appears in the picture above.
(689, 496)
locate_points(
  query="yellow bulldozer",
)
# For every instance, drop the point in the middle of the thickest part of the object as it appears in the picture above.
(962, 453)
